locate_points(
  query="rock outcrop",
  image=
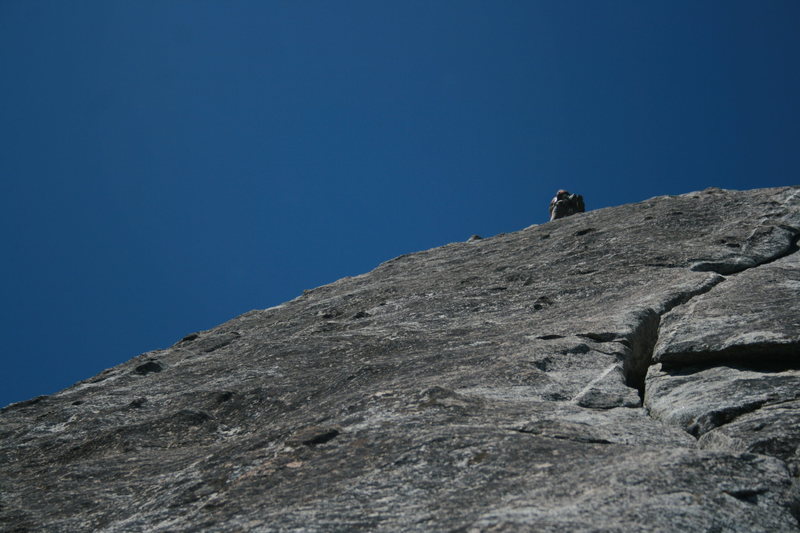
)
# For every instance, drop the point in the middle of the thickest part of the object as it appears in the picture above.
(635, 368)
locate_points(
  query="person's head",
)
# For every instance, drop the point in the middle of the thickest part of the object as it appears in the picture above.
(562, 194)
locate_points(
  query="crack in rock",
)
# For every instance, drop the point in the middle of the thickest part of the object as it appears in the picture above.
(447, 390)
(768, 242)
(713, 370)
(759, 322)
(642, 338)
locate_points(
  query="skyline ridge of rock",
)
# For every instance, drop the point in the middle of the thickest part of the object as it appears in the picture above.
(630, 368)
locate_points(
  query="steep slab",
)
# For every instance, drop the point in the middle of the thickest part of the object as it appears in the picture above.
(493, 385)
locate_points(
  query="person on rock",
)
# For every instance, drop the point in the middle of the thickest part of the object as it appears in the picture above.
(565, 204)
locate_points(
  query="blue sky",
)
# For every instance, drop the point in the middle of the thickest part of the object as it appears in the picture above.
(166, 166)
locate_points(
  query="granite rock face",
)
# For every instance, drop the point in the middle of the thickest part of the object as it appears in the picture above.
(628, 369)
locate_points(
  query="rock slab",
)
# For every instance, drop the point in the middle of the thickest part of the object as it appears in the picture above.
(628, 369)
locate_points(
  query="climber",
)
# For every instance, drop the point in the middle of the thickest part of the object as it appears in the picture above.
(565, 204)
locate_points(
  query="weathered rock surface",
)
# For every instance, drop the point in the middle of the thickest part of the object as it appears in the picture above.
(490, 385)
(752, 317)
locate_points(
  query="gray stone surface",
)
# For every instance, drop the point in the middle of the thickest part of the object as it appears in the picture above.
(753, 316)
(701, 399)
(492, 385)
(772, 429)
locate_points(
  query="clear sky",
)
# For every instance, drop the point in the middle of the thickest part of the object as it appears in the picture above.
(168, 165)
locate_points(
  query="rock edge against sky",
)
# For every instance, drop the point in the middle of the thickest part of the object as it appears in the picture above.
(630, 368)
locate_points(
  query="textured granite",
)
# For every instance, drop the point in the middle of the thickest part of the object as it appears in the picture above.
(490, 385)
